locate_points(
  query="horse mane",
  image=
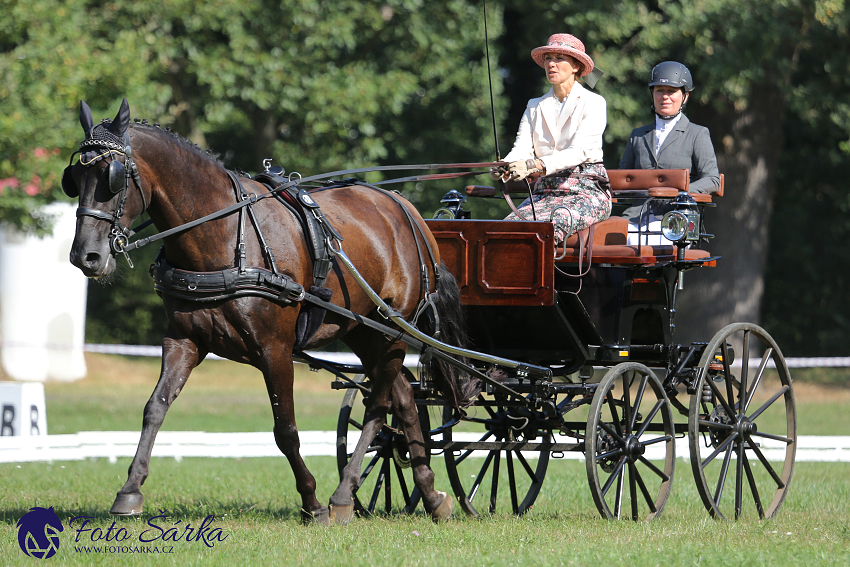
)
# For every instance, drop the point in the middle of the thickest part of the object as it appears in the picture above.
(144, 126)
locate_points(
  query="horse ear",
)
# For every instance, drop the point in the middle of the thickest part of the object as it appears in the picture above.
(122, 119)
(86, 121)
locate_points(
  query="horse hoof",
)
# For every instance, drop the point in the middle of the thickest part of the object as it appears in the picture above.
(321, 517)
(341, 514)
(127, 504)
(444, 511)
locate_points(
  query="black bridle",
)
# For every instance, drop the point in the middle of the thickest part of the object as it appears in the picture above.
(118, 182)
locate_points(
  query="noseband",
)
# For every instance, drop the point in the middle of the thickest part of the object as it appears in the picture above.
(119, 175)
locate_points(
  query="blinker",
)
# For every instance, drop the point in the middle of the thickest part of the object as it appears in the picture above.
(117, 177)
(68, 185)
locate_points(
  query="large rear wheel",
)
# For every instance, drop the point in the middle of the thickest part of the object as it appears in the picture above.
(742, 424)
(630, 448)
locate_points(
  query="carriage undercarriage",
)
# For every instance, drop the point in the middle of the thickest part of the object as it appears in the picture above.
(618, 393)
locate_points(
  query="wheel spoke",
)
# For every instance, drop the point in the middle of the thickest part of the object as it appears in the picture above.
(614, 474)
(739, 479)
(368, 470)
(627, 405)
(719, 449)
(494, 482)
(643, 489)
(480, 477)
(638, 400)
(753, 488)
(654, 469)
(512, 482)
(658, 405)
(633, 491)
(462, 457)
(612, 433)
(769, 402)
(402, 484)
(355, 423)
(531, 474)
(768, 467)
(727, 370)
(729, 411)
(656, 440)
(376, 492)
(618, 497)
(715, 425)
(615, 419)
(745, 366)
(721, 480)
(765, 357)
(609, 454)
(779, 438)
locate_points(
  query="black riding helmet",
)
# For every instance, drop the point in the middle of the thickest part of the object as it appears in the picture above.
(671, 74)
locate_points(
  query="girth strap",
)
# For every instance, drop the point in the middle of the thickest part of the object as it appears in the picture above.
(224, 284)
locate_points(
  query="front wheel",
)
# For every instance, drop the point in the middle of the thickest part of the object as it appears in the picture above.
(742, 423)
(630, 434)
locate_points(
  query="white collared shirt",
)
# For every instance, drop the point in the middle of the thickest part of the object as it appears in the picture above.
(662, 129)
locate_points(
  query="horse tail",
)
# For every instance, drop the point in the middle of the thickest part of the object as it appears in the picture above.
(447, 323)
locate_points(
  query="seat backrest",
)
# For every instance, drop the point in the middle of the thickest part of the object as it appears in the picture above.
(643, 179)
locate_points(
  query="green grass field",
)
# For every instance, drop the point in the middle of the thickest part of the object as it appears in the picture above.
(256, 506)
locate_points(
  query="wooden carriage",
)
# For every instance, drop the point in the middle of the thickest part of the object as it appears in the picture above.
(599, 312)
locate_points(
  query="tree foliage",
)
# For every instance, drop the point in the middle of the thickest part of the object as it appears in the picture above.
(319, 85)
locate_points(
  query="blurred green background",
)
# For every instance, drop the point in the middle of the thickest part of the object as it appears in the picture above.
(320, 85)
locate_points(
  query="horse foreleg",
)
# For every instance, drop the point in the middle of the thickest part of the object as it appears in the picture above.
(279, 385)
(179, 357)
(437, 503)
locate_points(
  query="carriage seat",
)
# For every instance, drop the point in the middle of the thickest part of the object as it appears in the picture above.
(658, 183)
(609, 247)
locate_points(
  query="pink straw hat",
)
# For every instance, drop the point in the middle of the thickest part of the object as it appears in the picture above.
(568, 45)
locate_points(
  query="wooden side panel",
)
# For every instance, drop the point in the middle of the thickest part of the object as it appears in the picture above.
(499, 262)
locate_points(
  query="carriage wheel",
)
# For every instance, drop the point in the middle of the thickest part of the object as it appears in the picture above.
(497, 480)
(742, 424)
(386, 481)
(630, 425)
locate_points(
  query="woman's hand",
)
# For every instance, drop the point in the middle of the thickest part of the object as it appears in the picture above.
(523, 168)
(499, 173)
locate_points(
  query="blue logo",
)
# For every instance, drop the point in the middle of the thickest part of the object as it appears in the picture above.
(38, 532)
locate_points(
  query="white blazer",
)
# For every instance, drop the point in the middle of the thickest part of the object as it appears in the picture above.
(561, 140)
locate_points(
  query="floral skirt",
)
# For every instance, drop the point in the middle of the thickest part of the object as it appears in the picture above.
(573, 199)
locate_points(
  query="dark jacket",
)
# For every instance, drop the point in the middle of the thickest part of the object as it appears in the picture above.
(687, 146)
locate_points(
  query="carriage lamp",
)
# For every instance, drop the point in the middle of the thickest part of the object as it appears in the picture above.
(682, 223)
(452, 206)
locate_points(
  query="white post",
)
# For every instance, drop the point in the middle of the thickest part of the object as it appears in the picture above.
(42, 302)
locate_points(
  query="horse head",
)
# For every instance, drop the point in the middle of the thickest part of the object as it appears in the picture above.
(103, 178)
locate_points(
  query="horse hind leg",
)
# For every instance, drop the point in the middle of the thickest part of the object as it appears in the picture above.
(179, 357)
(437, 503)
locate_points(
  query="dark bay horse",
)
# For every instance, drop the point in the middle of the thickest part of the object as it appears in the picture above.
(177, 183)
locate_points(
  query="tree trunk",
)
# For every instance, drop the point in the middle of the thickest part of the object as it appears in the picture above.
(748, 155)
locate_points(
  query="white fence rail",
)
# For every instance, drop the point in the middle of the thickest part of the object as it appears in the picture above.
(113, 445)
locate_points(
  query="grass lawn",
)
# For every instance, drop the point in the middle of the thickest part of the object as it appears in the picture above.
(255, 504)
